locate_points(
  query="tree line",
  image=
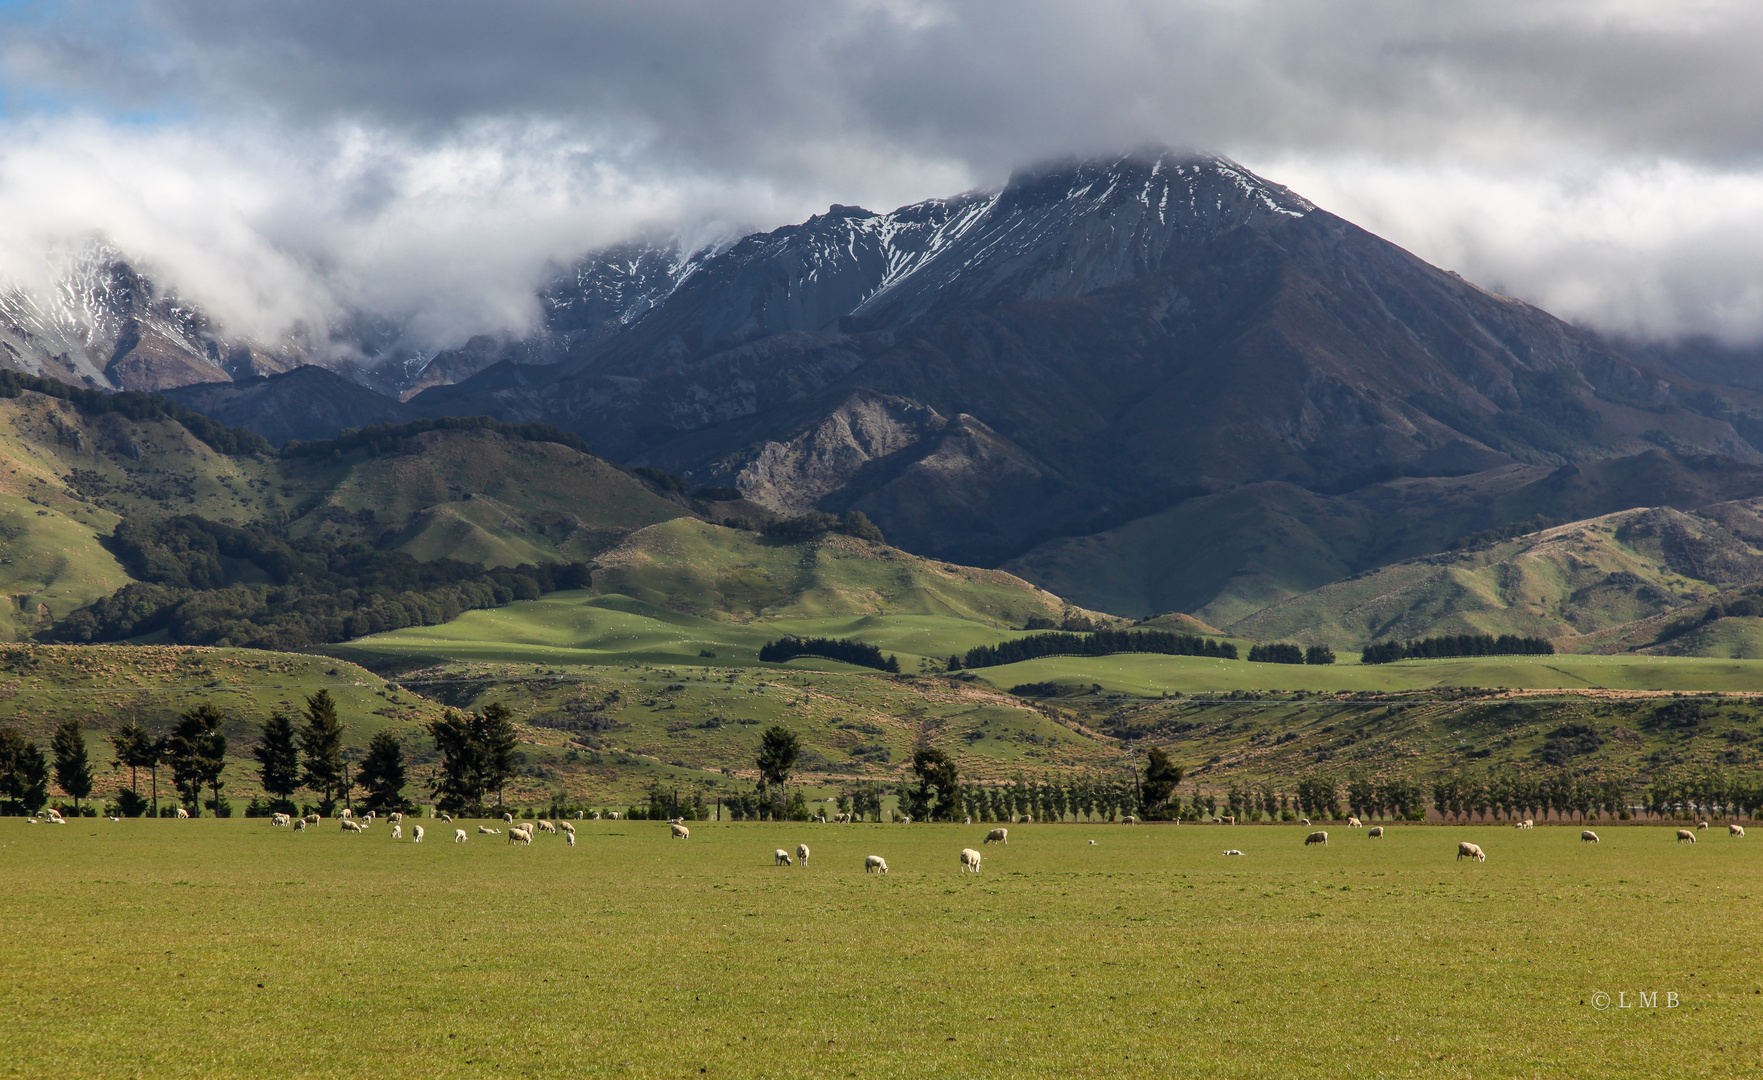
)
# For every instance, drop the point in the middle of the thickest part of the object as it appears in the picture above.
(847, 650)
(233, 441)
(381, 439)
(1384, 652)
(320, 591)
(1287, 653)
(855, 523)
(1099, 643)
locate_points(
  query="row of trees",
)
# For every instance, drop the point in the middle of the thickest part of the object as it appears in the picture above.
(1433, 648)
(1287, 653)
(1099, 643)
(848, 650)
(310, 756)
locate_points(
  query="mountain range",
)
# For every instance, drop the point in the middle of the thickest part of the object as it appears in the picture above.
(1149, 382)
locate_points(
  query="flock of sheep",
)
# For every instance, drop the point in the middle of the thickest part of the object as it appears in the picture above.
(1467, 850)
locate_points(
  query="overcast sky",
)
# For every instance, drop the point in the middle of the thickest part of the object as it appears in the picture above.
(430, 159)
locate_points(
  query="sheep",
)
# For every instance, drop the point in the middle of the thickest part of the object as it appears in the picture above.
(1376, 831)
(396, 819)
(448, 818)
(1587, 836)
(1355, 823)
(875, 864)
(1701, 825)
(578, 816)
(520, 835)
(487, 831)
(1026, 819)
(780, 857)
(566, 827)
(279, 820)
(1092, 843)
(969, 860)
(416, 834)
(967, 820)
(1318, 837)
(1129, 820)
(1465, 849)
(182, 813)
(300, 825)
(570, 836)
(595, 816)
(1521, 824)
(346, 813)
(1303, 821)
(997, 836)
(1233, 851)
(459, 836)
(1228, 819)
(1736, 830)
(397, 832)
(1685, 834)
(613, 815)
(546, 826)
(350, 826)
(507, 818)
(680, 832)
(820, 819)
(313, 819)
(842, 819)
(802, 854)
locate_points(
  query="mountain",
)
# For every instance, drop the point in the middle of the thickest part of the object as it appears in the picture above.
(970, 371)
(307, 403)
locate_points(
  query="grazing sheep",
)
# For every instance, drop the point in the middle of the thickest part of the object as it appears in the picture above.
(546, 826)
(1685, 834)
(1092, 843)
(1129, 820)
(350, 826)
(395, 819)
(278, 820)
(397, 832)
(875, 863)
(566, 827)
(843, 819)
(1228, 819)
(578, 815)
(595, 816)
(680, 832)
(1521, 824)
(486, 830)
(1376, 831)
(459, 836)
(346, 813)
(1320, 836)
(507, 818)
(300, 825)
(614, 815)
(1026, 819)
(1465, 849)
(1735, 830)
(1588, 837)
(1233, 851)
(570, 836)
(969, 860)
(448, 818)
(182, 813)
(802, 854)
(1354, 823)
(1303, 821)
(520, 836)
(997, 836)
(1701, 825)
(820, 819)
(416, 834)
(780, 857)
(967, 821)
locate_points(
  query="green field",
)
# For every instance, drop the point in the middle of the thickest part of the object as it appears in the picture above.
(228, 948)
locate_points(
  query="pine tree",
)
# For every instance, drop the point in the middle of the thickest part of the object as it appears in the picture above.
(24, 773)
(496, 736)
(278, 759)
(382, 773)
(197, 752)
(73, 769)
(321, 739)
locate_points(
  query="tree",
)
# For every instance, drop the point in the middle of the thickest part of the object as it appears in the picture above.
(778, 750)
(935, 770)
(24, 773)
(382, 773)
(321, 739)
(197, 752)
(496, 735)
(73, 769)
(477, 756)
(1161, 777)
(278, 759)
(131, 745)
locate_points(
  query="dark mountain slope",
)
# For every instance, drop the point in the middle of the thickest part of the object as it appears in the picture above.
(301, 405)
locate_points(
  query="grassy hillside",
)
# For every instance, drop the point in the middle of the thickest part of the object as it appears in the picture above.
(707, 570)
(1561, 583)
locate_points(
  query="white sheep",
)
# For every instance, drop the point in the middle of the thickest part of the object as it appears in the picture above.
(346, 813)
(416, 834)
(182, 813)
(967, 821)
(397, 832)
(459, 836)
(578, 815)
(1735, 830)
(566, 827)
(350, 826)
(1521, 824)
(1092, 843)
(1228, 819)
(280, 820)
(1233, 851)
(570, 836)
(507, 819)
(1685, 834)
(1303, 821)
(313, 819)
(1376, 831)
(802, 854)
(613, 815)
(997, 836)
(842, 819)
(1320, 836)
(448, 818)
(969, 860)
(1465, 849)
(300, 825)
(680, 832)
(1701, 824)
(780, 857)
(520, 835)
(487, 831)
(1588, 837)
(876, 864)
(1354, 823)
(1129, 820)
(546, 826)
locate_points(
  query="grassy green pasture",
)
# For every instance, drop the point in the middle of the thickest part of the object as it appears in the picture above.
(228, 948)
(1147, 675)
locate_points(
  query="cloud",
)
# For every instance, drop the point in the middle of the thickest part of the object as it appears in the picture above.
(430, 158)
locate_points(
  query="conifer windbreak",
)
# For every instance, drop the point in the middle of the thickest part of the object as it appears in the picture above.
(1435, 648)
(1099, 643)
(846, 650)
